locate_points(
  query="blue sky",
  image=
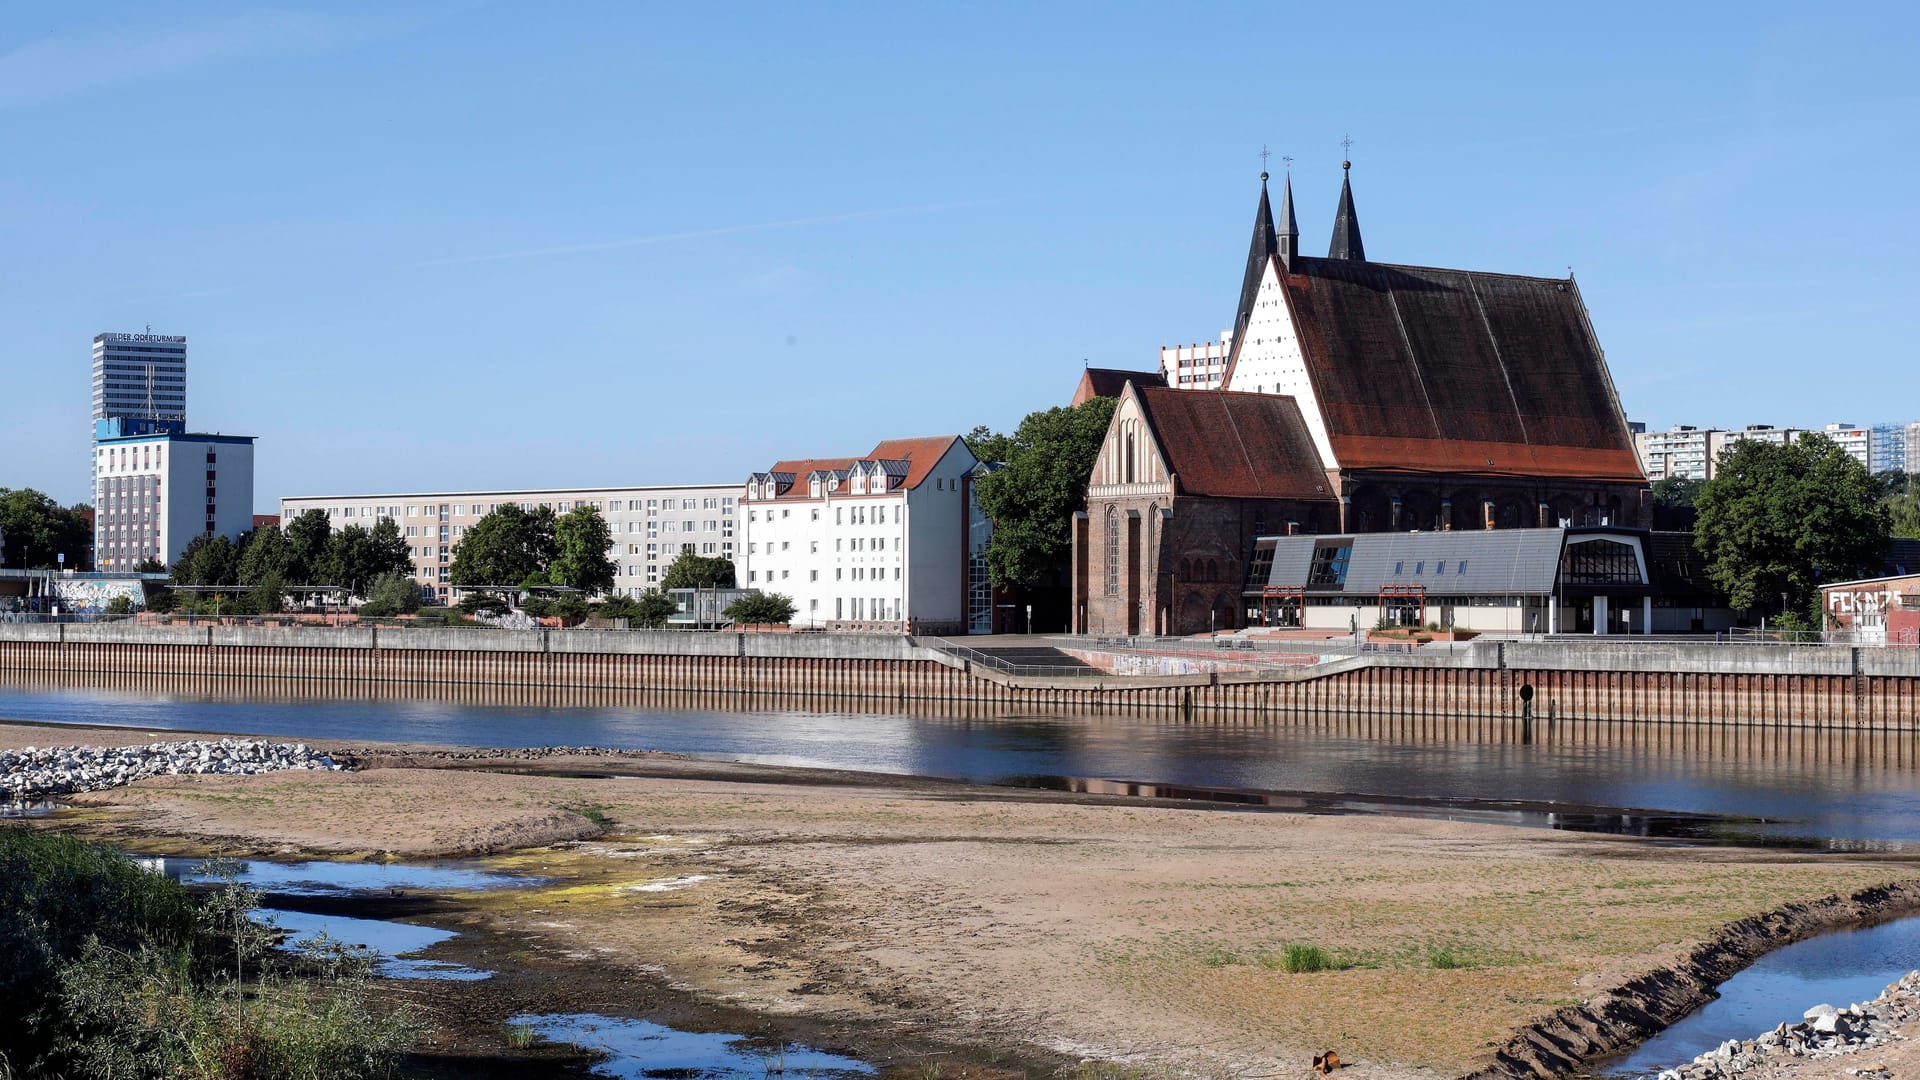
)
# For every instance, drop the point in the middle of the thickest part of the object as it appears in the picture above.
(463, 244)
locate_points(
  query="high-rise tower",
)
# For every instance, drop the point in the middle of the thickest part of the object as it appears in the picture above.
(141, 380)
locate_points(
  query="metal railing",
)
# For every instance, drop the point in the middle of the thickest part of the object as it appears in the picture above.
(1007, 667)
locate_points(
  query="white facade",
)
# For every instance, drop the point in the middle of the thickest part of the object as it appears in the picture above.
(878, 542)
(152, 494)
(1200, 366)
(1682, 451)
(1856, 441)
(650, 525)
(140, 376)
(1272, 362)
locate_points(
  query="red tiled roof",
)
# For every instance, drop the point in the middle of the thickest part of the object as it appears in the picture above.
(1232, 445)
(920, 456)
(1108, 382)
(1420, 369)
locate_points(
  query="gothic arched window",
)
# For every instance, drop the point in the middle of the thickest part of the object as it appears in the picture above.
(1113, 550)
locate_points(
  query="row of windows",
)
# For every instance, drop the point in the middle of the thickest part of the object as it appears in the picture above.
(858, 543)
(857, 573)
(724, 505)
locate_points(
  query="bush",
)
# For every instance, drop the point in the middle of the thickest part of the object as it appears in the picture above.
(653, 609)
(617, 607)
(537, 607)
(56, 893)
(569, 606)
(475, 603)
(761, 608)
(120, 605)
(110, 970)
(391, 594)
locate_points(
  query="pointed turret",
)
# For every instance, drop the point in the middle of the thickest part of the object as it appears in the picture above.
(1265, 242)
(1346, 224)
(1289, 231)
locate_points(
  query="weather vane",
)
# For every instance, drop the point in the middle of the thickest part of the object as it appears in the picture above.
(1263, 157)
(1287, 160)
(1346, 146)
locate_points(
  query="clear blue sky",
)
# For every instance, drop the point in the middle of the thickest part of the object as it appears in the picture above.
(470, 244)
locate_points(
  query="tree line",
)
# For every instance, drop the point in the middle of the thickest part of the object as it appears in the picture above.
(252, 575)
(35, 531)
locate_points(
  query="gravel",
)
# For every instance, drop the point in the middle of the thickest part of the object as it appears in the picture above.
(1826, 1031)
(40, 771)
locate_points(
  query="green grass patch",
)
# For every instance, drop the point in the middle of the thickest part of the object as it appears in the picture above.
(594, 812)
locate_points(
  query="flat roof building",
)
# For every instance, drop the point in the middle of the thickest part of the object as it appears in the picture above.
(651, 526)
(1555, 580)
(153, 493)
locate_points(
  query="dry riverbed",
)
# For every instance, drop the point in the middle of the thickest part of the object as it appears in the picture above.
(1005, 921)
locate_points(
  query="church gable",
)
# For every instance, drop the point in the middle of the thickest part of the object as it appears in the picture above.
(1267, 358)
(1129, 455)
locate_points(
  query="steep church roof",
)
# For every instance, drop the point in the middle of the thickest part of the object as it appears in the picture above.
(1428, 370)
(1266, 241)
(1218, 443)
(1108, 382)
(1346, 224)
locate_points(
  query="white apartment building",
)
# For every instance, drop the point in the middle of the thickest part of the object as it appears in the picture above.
(1694, 453)
(1682, 451)
(152, 494)
(878, 542)
(651, 526)
(1855, 440)
(1200, 366)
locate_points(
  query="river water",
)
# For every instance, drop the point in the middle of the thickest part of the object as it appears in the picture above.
(1822, 788)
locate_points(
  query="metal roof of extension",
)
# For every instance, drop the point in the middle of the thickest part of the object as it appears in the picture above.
(1497, 562)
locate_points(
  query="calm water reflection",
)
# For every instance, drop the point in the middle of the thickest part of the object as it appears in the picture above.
(1856, 789)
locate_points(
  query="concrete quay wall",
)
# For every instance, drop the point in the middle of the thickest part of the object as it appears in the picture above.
(1640, 683)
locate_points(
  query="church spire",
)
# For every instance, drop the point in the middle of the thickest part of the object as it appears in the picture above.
(1265, 242)
(1289, 231)
(1346, 224)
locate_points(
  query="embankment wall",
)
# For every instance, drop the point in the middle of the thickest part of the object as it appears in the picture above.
(1628, 683)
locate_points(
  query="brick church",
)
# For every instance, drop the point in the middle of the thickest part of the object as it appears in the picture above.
(1358, 397)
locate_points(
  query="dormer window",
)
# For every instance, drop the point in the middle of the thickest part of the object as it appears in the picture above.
(816, 487)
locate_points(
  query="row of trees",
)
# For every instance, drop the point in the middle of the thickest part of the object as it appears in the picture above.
(252, 575)
(37, 531)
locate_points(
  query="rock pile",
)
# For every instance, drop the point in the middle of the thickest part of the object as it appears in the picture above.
(1825, 1032)
(37, 772)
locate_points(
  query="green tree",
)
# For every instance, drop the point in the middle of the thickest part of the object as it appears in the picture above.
(309, 534)
(581, 541)
(988, 444)
(618, 606)
(1032, 501)
(38, 531)
(569, 606)
(1904, 512)
(391, 594)
(1778, 519)
(269, 594)
(349, 560)
(208, 561)
(761, 608)
(391, 555)
(268, 553)
(1678, 491)
(653, 609)
(690, 571)
(506, 547)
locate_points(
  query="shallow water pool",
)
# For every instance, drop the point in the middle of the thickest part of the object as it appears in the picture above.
(392, 942)
(637, 1048)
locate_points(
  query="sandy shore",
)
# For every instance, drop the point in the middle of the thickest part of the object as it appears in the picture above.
(1149, 934)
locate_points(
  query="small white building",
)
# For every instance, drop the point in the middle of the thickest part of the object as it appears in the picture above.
(1200, 366)
(153, 493)
(878, 542)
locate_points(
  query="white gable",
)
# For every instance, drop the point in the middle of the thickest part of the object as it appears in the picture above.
(1271, 361)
